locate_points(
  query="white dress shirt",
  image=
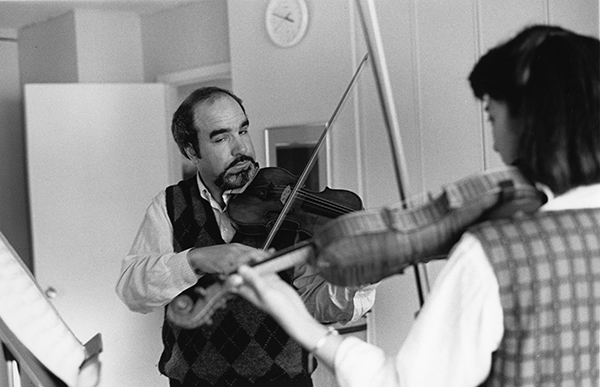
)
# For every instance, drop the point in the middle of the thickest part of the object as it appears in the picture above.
(152, 274)
(458, 328)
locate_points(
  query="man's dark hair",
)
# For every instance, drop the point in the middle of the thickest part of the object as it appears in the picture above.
(183, 126)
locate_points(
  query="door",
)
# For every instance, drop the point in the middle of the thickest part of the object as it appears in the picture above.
(97, 154)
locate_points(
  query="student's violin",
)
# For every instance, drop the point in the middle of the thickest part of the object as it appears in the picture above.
(364, 247)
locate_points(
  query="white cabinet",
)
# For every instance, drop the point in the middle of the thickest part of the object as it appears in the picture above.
(97, 154)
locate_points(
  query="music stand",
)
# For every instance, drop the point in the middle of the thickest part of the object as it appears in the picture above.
(34, 337)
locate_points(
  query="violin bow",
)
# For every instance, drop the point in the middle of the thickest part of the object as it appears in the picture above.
(384, 90)
(313, 158)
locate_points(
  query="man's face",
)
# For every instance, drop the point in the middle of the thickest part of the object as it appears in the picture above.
(226, 159)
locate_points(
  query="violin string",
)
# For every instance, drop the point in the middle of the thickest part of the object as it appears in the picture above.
(316, 201)
(324, 204)
(319, 202)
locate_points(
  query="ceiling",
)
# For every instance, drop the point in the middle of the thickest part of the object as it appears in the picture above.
(17, 14)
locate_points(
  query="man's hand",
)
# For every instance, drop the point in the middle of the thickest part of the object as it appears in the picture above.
(223, 259)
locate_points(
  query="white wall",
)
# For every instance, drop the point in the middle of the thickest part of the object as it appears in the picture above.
(82, 46)
(184, 38)
(48, 51)
(109, 46)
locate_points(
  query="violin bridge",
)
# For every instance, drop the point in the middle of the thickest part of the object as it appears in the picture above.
(285, 194)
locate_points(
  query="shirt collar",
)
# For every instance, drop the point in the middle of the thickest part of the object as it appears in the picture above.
(581, 197)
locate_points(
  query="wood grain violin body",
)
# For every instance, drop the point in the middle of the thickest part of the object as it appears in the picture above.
(368, 246)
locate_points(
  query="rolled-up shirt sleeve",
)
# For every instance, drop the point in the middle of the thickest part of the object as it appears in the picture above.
(330, 303)
(152, 274)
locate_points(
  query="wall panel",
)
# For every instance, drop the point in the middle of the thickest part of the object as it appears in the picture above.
(581, 16)
(452, 145)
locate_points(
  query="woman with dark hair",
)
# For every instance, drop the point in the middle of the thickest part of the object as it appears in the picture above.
(518, 302)
(547, 78)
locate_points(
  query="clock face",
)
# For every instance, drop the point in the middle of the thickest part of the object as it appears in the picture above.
(286, 21)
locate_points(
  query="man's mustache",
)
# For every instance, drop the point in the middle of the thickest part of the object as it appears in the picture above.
(239, 160)
(242, 176)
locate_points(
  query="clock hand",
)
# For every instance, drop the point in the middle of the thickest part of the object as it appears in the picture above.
(286, 17)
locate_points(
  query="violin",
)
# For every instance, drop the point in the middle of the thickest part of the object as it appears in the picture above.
(255, 211)
(365, 247)
(376, 244)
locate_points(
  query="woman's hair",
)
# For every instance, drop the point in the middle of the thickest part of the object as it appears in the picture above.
(183, 125)
(549, 78)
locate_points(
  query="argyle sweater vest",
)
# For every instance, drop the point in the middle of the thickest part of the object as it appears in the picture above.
(243, 346)
(548, 269)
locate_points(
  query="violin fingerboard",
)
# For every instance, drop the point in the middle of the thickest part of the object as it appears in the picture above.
(285, 261)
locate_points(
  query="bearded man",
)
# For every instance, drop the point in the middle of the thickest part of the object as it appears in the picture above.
(187, 239)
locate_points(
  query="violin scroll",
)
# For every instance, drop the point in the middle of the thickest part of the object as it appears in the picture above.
(188, 313)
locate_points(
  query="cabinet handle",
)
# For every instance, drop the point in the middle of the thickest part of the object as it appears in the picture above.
(51, 292)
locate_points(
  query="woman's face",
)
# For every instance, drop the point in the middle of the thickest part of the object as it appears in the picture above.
(505, 129)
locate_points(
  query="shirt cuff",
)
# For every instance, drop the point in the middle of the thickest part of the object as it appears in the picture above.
(179, 264)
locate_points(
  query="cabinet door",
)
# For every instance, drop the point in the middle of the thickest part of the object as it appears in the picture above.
(97, 154)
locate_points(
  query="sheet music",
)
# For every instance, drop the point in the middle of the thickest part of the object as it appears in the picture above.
(33, 319)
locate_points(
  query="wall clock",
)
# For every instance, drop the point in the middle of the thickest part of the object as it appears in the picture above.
(286, 21)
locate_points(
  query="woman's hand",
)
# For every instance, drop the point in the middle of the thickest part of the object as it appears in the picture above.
(271, 294)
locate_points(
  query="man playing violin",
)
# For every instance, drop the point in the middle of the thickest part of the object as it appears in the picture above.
(187, 239)
(518, 302)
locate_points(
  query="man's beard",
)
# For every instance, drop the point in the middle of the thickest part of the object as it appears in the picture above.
(227, 181)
